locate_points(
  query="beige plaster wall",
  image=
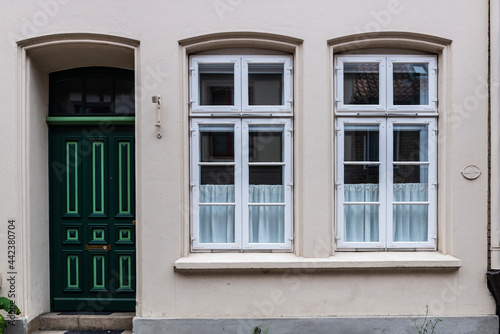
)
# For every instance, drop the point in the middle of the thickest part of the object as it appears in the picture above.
(162, 174)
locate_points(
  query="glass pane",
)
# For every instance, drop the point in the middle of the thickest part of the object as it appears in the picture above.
(216, 193)
(265, 143)
(361, 174)
(217, 174)
(124, 96)
(411, 84)
(361, 192)
(266, 175)
(216, 84)
(361, 223)
(69, 96)
(411, 183)
(266, 193)
(216, 224)
(265, 84)
(411, 142)
(410, 222)
(361, 83)
(98, 96)
(267, 224)
(216, 143)
(361, 142)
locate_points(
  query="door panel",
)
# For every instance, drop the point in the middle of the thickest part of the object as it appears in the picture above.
(92, 212)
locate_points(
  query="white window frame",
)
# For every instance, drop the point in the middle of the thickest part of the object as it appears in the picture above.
(386, 241)
(241, 173)
(194, 83)
(432, 68)
(339, 69)
(241, 105)
(287, 97)
(385, 105)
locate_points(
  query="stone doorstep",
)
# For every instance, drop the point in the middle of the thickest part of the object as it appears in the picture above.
(114, 321)
(63, 332)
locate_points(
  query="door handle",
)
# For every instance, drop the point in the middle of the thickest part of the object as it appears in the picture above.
(98, 247)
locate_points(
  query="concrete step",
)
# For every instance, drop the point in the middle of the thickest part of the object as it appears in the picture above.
(119, 321)
(73, 332)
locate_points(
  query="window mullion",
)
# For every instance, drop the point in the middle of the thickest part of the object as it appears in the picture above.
(241, 187)
(389, 183)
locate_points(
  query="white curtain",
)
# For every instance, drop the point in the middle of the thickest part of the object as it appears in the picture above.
(409, 221)
(216, 222)
(266, 223)
(361, 221)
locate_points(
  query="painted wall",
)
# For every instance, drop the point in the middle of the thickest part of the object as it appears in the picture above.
(162, 165)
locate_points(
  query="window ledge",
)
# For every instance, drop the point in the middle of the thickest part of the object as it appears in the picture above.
(341, 260)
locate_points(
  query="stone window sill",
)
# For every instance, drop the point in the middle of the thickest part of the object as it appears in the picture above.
(340, 260)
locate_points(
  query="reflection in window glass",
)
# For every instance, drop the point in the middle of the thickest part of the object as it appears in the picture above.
(265, 84)
(411, 84)
(265, 143)
(216, 143)
(361, 83)
(69, 96)
(411, 142)
(216, 84)
(124, 96)
(98, 95)
(361, 142)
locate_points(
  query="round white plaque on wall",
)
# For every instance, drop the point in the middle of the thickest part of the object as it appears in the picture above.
(471, 172)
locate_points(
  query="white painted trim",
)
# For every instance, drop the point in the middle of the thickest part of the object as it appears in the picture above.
(341, 260)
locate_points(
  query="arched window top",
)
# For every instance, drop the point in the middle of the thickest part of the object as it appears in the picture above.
(92, 91)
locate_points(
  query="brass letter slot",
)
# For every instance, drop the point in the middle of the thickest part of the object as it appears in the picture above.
(98, 247)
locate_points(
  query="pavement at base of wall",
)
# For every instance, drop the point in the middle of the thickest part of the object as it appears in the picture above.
(84, 332)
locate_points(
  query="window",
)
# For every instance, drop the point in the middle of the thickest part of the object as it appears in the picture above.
(386, 83)
(386, 172)
(241, 167)
(241, 84)
(100, 91)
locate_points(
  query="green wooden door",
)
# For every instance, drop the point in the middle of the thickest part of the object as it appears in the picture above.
(92, 218)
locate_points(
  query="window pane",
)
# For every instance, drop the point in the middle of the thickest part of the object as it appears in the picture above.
(217, 174)
(98, 96)
(411, 84)
(265, 143)
(265, 84)
(216, 193)
(361, 83)
(266, 193)
(362, 192)
(361, 174)
(216, 84)
(266, 175)
(361, 142)
(69, 96)
(216, 143)
(124, 96)
(411, 142)
(410, 222)
(216, 224)
(410, 174)
(361, 223)
(267, 224)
